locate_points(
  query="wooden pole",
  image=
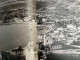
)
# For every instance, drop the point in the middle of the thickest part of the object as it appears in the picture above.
(31, 50)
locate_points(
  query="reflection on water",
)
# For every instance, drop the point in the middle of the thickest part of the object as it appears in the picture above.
(52, 56)
(13, 35)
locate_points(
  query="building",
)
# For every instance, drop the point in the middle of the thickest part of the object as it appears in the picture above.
(15, 54)
(56, 45)
(70, 34)
(61, 46)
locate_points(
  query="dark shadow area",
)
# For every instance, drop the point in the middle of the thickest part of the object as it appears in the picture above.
(52, 56)
(40, 4)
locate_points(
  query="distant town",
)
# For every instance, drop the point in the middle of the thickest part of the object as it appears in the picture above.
(60, 27)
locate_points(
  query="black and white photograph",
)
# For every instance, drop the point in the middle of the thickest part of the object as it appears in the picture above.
(39, 29)
(59, 28)
(18, 33)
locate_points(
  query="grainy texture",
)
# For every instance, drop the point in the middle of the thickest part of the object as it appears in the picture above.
(18, 33)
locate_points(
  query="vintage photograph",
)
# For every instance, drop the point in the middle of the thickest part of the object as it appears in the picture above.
(39, 29)
(18, 33)
(59, 28)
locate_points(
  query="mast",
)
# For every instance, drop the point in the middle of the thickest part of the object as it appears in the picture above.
(31, 9)
(31, 50)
